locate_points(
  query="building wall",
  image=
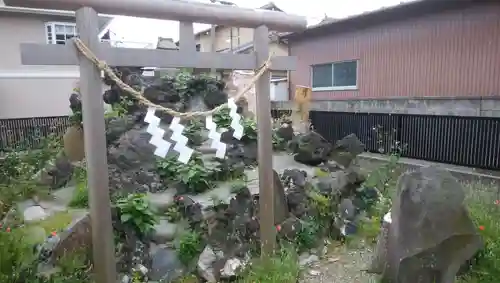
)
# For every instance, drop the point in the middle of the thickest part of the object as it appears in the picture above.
(31, 91)
(223, 38)
(404, 66)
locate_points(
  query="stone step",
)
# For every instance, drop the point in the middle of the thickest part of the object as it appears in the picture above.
(164, 232)
(160, 202)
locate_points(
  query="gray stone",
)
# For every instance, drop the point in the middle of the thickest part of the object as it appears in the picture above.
(310, 148)
(166, 266)
(132, 164)
(56, 173)
(306, 259)
(232, 267)
(347, 210)
(34, 214)
(205, 264)
(280, 202)
(160, 202)
(431, 234)
(346, 150)
(64, 195)
(164, 232)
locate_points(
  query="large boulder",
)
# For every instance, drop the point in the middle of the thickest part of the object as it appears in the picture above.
(346, 150)
(56, 173)
(430, 235)
(131, 163)
(310, 148)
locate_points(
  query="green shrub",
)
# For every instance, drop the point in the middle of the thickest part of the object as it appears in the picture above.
(190, 246)
(485, 211)
(308, 236)
(134, 210)
(193, 175)
(16, 256)
(280, 268)
(17, 171)
(80, 197)
(193, 131)
(173, 214)
(223, 120)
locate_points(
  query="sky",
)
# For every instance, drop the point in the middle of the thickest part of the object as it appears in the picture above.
(147, 31)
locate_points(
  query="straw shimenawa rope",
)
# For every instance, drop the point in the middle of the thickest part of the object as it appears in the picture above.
(141, 99)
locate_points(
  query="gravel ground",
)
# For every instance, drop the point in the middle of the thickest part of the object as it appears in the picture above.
(341, 265)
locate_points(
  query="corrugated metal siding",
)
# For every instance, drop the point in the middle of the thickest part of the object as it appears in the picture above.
(456, 53)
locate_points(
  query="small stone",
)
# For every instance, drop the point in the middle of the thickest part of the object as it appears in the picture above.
(314, 272)
(160, 202)
(333, 259)
(34, 213)
(307, 259)
(164, 232)
(231, 267)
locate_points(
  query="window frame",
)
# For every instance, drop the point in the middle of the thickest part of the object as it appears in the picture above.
(52, 33)
(335, 88)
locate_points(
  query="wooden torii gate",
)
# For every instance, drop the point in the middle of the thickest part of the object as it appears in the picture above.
(187, 56)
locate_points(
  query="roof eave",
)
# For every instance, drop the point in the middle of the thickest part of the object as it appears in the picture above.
(406, 10)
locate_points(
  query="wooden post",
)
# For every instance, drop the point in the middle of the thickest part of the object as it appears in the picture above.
(96, 150)
(186, 38)
(212, 46)
(265, 149)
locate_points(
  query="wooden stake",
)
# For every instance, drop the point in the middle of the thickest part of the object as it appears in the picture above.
(96, 151)
(265, 151)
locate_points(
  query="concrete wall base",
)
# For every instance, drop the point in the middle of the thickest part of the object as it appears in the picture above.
(372, 160)
(456, 106)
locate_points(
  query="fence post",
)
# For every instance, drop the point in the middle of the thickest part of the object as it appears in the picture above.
(96, 150)
(265, 150)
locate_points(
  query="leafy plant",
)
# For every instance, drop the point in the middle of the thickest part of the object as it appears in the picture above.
(325, 210)
(281, 267)
(134, 210)
(80, 198)
(370, 228)
(193, 131)
(307, 237)
(190, 246)
(278, 142)
(18, 169)
(193, 175)
(121, 108)
(173, 214)
(249, 129)
(222, 118)
(15, 256)
(237, 187)
(485, 212)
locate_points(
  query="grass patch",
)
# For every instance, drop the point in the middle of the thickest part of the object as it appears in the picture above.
(485, 211)
(56, 222)
(80, 197)
(280, 268)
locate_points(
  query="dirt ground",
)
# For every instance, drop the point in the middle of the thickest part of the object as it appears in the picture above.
(342, 264)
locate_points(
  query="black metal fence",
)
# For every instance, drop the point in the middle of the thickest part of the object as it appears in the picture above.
(466, 141)
(27, 133)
